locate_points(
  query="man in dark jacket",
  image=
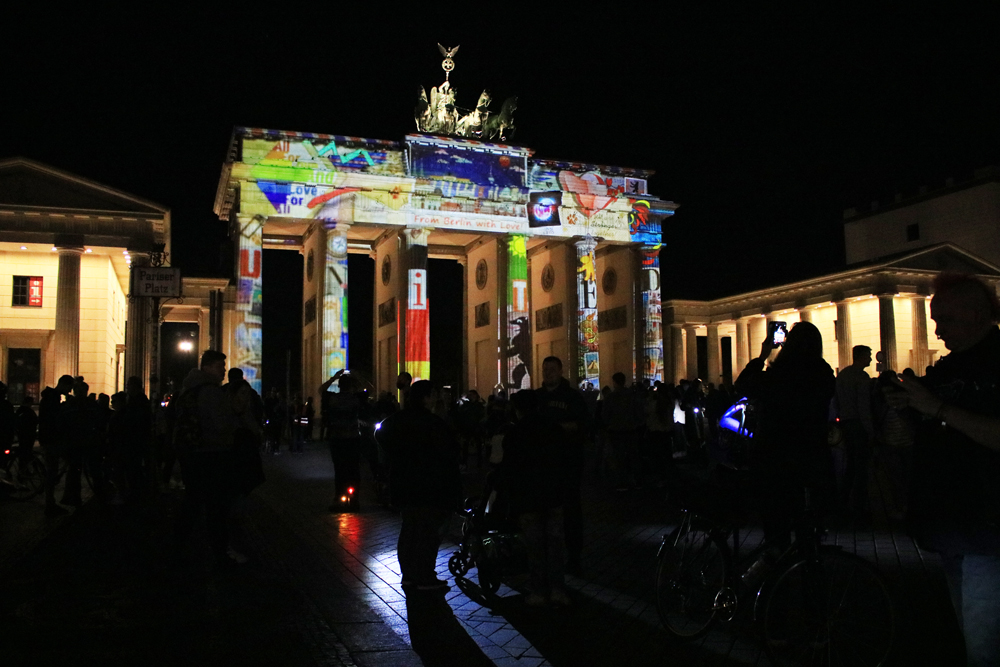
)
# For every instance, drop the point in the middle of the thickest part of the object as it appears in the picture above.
(424, 483)
(954, 506)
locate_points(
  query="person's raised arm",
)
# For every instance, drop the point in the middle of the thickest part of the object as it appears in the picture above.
(326, 385)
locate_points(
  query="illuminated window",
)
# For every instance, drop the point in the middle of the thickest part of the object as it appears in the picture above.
(27, 291)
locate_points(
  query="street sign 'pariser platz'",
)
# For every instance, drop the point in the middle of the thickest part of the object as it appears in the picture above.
(156, 281)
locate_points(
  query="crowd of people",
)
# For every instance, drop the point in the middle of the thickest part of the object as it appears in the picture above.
(933, 440)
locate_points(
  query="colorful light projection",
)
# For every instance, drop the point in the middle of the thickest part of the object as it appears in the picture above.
(335, 301)
(518, 316)
(249, 302)
(470, 162)
(418, 329)
(588, 367)
(652, 354)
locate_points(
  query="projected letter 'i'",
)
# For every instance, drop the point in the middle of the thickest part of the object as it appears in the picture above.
(335, 302)
(518, 316)
(418, 329)
(249, 302)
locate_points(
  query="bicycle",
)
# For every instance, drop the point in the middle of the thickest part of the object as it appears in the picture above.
(23, 475)
(815, 605)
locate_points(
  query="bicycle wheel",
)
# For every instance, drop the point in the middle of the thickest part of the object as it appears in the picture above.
(834, 611)
(691, 572)
(27, 477)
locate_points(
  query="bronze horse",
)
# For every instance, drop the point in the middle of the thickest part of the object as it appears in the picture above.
(502, 124)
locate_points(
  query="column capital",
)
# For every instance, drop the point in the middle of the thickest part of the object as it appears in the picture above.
(589, 242)
(69, 250)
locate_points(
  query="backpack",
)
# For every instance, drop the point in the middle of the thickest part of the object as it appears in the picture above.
(187, 426)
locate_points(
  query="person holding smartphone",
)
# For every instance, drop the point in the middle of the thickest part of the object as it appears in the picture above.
(792, 399)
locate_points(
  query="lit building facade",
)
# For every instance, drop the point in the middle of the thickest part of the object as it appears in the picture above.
(559, 258)
(67, 248)
(883, 304)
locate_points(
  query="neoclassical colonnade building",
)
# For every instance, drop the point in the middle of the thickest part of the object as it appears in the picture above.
(559, 258)
(893, 250)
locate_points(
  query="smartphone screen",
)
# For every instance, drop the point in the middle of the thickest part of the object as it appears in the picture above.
(779, 330)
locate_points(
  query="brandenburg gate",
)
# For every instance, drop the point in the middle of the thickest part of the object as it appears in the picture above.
(560, 258)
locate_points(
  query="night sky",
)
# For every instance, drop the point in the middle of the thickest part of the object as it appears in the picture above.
(762, 124)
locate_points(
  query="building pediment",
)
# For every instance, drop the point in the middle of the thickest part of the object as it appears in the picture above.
(28, 184)
(937, 258)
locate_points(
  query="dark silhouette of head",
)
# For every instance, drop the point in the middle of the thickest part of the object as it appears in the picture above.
(804, 344)
(421, 395)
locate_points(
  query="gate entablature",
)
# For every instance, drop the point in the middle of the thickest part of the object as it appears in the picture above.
(337, 191)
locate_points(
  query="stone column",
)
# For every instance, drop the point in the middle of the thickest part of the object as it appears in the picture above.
(919, 318)
(650, 359)
(714, 355)
(334, 333)
(249, 351)
(691, 345)
(742, 345)
(67, 333)
(887, 330)
(805, 315)
(844, 355)
(587, 358)
(137, 323)
(677, 349)
(515, 329)
(416, 346)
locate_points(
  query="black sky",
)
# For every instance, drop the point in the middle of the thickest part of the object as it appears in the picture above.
(763, 124)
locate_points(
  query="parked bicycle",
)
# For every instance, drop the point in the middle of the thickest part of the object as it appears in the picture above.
(815, 605)
(23, 474)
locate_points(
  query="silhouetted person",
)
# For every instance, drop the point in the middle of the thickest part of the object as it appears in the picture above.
(534, 476)
(403, 382)
(78, 421)
(559, 402)
(791, 454)
(138, 435)
(424, 483)
(343, 432)
(51, 436)
(954, 504)
(854, 400)
(620, 419)
(203, 437)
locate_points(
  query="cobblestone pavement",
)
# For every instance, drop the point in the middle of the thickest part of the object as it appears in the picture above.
(98, 588)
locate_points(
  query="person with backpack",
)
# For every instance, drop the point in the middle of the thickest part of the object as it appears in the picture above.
(204, 438)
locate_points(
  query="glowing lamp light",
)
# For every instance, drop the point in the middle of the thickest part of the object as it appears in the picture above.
(350, 490)
(90, 250)
(343, 499)
(24, 247)
(185, 346)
